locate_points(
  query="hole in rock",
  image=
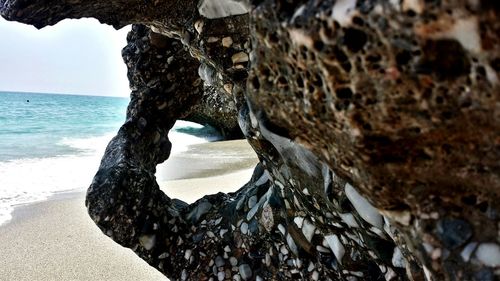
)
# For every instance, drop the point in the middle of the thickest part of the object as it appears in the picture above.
(202, 163)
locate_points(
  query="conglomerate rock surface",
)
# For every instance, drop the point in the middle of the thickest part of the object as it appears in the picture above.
(377, 126)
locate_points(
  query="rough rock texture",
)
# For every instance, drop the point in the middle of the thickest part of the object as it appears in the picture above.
(377, 125)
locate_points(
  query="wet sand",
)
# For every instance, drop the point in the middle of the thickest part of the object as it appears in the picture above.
(56, 240)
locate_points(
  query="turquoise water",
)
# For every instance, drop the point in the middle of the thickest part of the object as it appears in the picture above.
(54, 143)
(46, 124)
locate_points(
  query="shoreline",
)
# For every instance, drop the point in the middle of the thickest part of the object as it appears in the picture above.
(207, 160)
(55, 239)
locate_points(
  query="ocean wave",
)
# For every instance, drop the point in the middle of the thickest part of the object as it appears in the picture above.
(34, 179)
(24, 181)
(89, 145)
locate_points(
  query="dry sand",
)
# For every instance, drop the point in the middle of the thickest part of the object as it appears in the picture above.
(56, 240)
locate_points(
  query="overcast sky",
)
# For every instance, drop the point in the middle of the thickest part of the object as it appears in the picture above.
(72, 57)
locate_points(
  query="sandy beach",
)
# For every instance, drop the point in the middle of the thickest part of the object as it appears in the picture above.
(56, 240)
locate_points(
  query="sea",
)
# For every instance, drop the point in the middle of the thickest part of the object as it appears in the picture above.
(53, 143)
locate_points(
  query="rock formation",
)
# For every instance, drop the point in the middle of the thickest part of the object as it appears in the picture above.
(377, 126)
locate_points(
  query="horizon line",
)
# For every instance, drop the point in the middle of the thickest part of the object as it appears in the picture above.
(59, 93)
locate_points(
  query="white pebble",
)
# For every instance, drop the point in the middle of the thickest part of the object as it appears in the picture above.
(187, 254)
(244, 228)
(336, 246)
(147, 241)
(315, 275)
(214, 9)
(252, 201)
(298, 221)
(364, 208)
(398, 260)
(291, 244)
(349, 219)
(343, 11)
(488, 254)
(467, 251)
(308, 230)
(310, 267)
(281, 229)
(283, 250)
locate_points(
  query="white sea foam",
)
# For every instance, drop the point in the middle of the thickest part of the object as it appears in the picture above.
(180, 141)
(90, 145)
(30, 180)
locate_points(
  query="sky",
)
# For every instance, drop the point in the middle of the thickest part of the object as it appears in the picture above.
(72, 57)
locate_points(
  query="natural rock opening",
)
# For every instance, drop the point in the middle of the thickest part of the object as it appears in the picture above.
(202, 163)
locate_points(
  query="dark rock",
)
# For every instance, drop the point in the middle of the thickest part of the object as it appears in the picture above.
(453, 232)
(483, 275)
(219, 261)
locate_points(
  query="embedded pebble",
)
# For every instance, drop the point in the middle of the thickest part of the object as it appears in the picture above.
(218, 221)
(239, 57)
(252, 201)
(147, 241)
(283, 250)
(263, 178)
(488, 254)
(198, 25)
(343, 11)
(298, 221)
(233, 261)
(310, 267)
(252, 212)
(349, 219)
(322, 249)
(298, 263)
(244, 228)
(467, 251)
(214, 9)
(336, 246)
(364, 208)
(187, 254)
(219, 261)
(241, 202)
(398, 259)
(221, 275)
(227, 42)
(281, 229)
(308, 230)
(212, 39)
(315, 275)
(453, 232)
(201, 209)
(291, 244)
(245, 271)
